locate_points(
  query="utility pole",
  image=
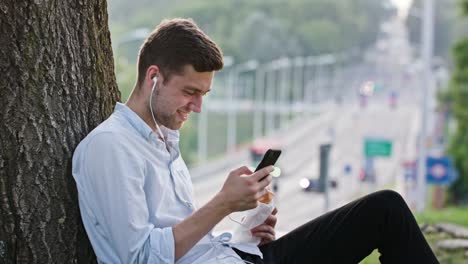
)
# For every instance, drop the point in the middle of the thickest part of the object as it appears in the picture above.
(232, 111)
(284, 92)
(259, 105)
(427, 38)
(324, 181)
(298, 77)
(270, 99)
(202, 136)
(232, 96)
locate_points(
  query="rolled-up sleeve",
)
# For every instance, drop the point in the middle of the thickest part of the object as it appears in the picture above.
(162, 254)
(115, 175)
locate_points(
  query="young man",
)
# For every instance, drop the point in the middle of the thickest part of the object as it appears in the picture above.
(135, 192)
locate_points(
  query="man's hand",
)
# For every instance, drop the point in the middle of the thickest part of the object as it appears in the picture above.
(240, 192)
(242, 188)
(266, 231)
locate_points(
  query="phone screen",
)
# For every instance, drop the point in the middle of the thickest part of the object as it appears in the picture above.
(270, 158)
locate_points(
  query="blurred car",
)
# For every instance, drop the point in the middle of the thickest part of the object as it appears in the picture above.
(260, 147)
(392, 99)
(366, 90)
(362, 100)
(367, 172)
(314, 184)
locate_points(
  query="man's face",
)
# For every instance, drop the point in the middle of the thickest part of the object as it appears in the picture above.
(181, 95)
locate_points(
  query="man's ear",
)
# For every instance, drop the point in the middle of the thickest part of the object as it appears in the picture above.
(153, 73)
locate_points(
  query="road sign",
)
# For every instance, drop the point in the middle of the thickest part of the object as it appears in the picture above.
(440, 171)
(409, 170)
(377, 147)
(347, 169)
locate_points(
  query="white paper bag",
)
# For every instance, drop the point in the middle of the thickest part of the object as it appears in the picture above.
(253, 218)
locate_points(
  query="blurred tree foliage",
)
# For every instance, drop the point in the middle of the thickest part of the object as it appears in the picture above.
(447, 27)
(247, 29)
(457, 98)
(261, 29)
(250, 29)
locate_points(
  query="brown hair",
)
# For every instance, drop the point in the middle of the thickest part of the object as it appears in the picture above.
(176, 43)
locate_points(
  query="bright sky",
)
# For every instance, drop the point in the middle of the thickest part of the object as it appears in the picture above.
(403, 6)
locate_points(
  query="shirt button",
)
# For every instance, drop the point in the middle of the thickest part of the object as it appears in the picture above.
(225, 237)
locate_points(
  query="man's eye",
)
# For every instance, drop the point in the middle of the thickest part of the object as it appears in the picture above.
(189, 92)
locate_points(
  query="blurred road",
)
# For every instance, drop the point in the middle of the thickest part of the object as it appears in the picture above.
(300, 159)
(345, 126)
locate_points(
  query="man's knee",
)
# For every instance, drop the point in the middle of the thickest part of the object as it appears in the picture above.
(390, 195)
(390, 199)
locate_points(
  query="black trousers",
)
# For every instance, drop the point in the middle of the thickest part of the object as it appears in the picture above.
(381, 220)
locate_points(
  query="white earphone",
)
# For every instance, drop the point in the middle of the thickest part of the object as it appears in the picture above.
(155, 80)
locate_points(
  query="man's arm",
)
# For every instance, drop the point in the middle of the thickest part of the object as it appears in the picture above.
(110, 179)
(114, 178)
(239, 193)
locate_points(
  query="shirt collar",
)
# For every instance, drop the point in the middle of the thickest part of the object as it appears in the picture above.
(141, 126)
(170, 134)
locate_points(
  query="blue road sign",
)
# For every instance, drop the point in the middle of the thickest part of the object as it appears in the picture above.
(440, 171)
(348, 169)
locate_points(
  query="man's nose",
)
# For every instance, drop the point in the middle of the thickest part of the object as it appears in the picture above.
(196, 103)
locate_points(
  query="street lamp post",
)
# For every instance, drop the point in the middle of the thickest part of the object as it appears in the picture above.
(427, 49)
(298, 77)
(259, 102)
(270, 99)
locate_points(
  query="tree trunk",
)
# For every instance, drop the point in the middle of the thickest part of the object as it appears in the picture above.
(57, 83)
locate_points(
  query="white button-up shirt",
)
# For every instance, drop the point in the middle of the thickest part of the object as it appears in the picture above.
(133, 188)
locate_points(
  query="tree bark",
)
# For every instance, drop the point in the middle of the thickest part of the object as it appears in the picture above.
(57, 83)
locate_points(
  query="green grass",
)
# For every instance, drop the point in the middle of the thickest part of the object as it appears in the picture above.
(373, 258)
(458, 215)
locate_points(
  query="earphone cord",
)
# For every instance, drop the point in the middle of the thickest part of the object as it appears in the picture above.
(152, 114)
(162, 136)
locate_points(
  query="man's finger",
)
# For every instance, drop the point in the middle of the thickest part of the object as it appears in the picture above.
(265, 182)
(259, 175)
(242, 170)
(261, 193)
(263, 235)
(271, 220)
(263, 228)
(275, 211)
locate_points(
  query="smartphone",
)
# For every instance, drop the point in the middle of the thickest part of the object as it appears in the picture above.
(270, 158)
